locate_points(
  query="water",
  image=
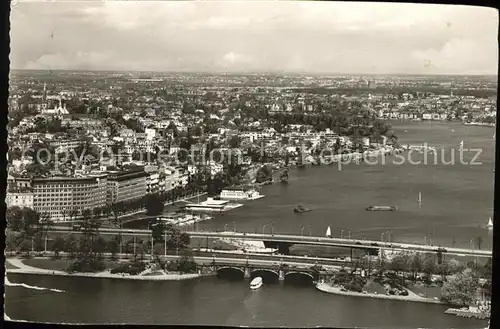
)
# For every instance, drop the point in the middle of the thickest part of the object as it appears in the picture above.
(211, 301)
(457, 202)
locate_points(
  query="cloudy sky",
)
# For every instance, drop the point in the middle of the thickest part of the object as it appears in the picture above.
(307, 37)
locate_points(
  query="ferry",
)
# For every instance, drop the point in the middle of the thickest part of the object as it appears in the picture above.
(212, 205)
(256, 283)
(381, 208)
(240, 194)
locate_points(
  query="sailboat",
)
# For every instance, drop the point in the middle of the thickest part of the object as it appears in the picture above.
(328, 232)
(461, 144)
(419, 197)
(490, 224)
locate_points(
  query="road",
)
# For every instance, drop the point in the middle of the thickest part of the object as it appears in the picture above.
(309, 240)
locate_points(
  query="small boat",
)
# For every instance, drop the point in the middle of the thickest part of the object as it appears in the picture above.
(328, 232)
(490, 224)
(381, 208)
(256, 283)
(461, 144)
(419, 197)
(301, 209)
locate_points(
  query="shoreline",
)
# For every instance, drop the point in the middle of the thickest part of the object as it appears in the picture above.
(323, 287)
(26, 269)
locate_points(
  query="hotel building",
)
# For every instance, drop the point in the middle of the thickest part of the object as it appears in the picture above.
(57, 196)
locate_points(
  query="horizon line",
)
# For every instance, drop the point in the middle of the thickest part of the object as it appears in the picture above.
(257, 72)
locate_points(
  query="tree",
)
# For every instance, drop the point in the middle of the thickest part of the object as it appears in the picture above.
(460, 289)
(30, 220)
(415, 265)
(14, 217)
(158, 231)
(71, 246)
(58, 245)
(112, 246)
(186, 263)
(154, 205)
(429, 266)
(234, 141)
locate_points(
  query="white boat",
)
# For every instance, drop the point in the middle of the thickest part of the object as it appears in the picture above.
(212, 205)
(490, 224)
(256, 283)
(461, 144)
(240, 194)
(419, 197)
(328, 232)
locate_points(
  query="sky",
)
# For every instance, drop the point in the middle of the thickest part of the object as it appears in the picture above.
(255, 36)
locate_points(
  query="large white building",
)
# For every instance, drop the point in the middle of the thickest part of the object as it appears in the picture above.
(126, 185)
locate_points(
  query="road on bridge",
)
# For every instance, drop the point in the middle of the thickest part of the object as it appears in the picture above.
(309, 240)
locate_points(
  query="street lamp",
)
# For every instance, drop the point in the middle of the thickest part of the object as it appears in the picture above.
(310, 230)
(234, 227)
(471, 244)
(341, 234)
(272, 228)
(349, 234)
(425, 240)
(302, 231)
(225, 227)
(382, 237)
(264, 229)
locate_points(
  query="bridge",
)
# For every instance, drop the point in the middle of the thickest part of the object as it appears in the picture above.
(288, 240)
(270, 269)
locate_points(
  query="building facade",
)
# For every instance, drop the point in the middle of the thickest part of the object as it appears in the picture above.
(126, 185)
(58, 196)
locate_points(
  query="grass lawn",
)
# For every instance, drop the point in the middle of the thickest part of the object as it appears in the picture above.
(58, 264)
(372, 286)
(425, 290)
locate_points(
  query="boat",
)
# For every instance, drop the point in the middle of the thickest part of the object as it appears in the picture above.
(240, 194)
(301, 209)
(328, 232)
(381, 208)
(461, 144)
(490, 224)
(212, 205)
(256, 283)
(284, 177)
(419, 197)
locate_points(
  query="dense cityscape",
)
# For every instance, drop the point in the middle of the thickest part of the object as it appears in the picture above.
(251, 184)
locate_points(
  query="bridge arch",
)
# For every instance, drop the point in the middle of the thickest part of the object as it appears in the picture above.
(230, 273)
(299, 278)
(268, 276)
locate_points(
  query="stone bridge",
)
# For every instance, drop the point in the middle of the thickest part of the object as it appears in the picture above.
(277, 272)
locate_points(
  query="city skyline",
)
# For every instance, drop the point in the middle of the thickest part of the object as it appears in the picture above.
(237, 37)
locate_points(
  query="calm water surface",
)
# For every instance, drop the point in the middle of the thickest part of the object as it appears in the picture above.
(457, 202)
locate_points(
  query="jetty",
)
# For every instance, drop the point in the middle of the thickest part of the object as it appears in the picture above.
(470, 312)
